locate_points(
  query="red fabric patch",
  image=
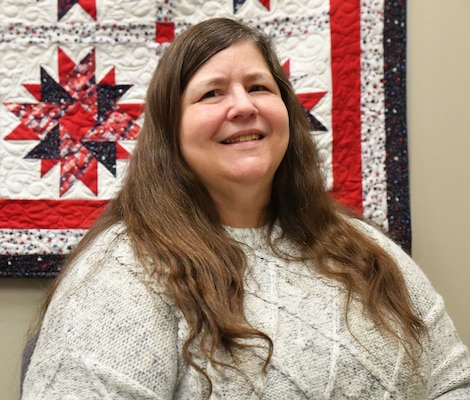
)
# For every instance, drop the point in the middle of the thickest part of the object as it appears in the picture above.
(346, 112)
(265, 3)
(89, 6)
(165, 32)
(44, 214)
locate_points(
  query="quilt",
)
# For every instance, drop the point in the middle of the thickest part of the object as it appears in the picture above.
(73, 76)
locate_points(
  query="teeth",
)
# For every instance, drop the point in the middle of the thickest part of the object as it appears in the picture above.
(243, 138)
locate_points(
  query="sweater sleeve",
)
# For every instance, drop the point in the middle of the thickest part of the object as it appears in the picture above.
(450, 361)
(105, 334)
(447, 356)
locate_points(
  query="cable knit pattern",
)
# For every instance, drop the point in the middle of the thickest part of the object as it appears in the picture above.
(108, 335)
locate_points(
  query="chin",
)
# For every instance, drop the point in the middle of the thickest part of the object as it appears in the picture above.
(250, 179)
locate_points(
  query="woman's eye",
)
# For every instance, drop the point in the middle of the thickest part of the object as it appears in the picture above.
(258, 88)
(209, 94)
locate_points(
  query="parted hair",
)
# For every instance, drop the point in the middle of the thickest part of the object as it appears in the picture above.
(174, 226)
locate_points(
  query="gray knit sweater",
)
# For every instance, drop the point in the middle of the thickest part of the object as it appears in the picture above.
(108, 335)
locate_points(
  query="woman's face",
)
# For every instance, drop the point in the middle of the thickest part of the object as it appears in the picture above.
(234, 127)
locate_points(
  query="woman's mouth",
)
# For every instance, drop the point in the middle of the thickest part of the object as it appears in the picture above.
(243, 138)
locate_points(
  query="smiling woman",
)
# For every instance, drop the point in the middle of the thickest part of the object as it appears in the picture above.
(223, 267)
(234, 132)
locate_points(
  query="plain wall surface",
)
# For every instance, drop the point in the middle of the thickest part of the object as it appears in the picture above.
(439, 144)
(19, 302)
(439, 148)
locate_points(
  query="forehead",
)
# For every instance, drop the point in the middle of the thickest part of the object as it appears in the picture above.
(243, 55)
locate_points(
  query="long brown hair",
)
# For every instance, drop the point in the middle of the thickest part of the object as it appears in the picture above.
(171, 219)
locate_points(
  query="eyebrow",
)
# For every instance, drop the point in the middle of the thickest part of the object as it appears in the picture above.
(216, 81)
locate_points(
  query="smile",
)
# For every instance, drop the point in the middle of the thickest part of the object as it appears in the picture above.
(243, 138)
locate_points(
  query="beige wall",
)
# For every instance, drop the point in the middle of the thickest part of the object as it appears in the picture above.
(439, 137)
(19, 300)
(439, 148)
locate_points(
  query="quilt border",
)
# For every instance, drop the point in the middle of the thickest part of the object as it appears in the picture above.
(396, 163)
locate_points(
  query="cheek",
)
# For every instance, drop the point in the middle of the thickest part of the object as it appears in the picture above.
(280, 120)
(194, 124)
(277, 111)
(186, 148)
(191, 145)
(186, 133)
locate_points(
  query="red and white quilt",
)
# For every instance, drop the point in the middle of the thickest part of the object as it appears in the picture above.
(73, 76)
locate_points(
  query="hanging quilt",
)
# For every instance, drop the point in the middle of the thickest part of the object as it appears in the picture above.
(73, 76)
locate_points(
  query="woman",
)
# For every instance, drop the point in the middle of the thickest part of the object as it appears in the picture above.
(224, 270)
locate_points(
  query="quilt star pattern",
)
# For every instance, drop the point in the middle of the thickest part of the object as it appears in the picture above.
(76, 121)
(73, 78)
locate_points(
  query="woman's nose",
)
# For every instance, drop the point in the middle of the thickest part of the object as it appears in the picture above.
(241, 105)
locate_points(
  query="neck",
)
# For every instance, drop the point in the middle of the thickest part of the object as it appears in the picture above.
(242, 208)
(242, 218)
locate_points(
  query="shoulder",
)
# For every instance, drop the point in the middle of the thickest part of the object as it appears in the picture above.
(109, 259)
(107, 276)
(105, 311)
(422, 294)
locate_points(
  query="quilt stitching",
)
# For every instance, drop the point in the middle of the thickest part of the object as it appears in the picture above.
(73, 79)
